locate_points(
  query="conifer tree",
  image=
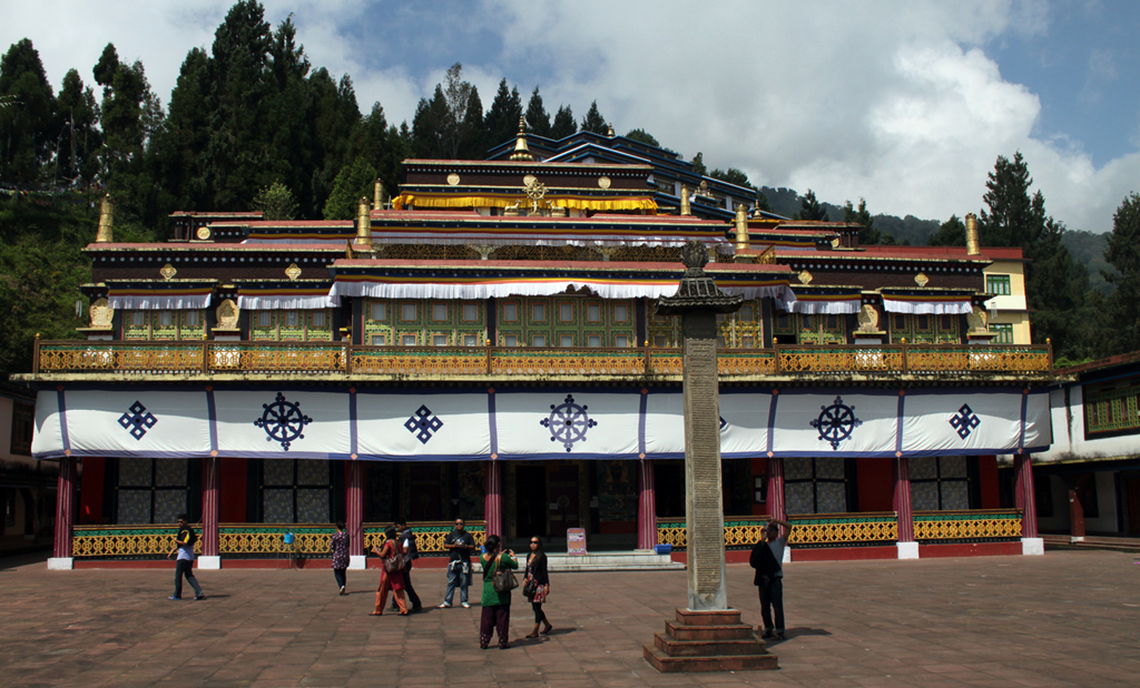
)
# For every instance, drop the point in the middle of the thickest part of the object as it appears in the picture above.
(79, 136)
(1123, 254)
(537, 118)
(811, 209)
(593, 121)
(27, 114)
(564, 123)
(502, 120)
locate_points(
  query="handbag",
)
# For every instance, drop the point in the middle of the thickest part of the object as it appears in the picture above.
(530, 587)
(504, 580)
(395, 562)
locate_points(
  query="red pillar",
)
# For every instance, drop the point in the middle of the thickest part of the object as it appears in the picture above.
(64, 508)
(493, 501)
(1076, 508)
(900, 501)
(646, 505)
(776, 507)
(354, 505)
(1023, 471)
(210, 484)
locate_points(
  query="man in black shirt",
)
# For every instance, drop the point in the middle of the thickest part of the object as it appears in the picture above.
(460, 543)
(407, 545)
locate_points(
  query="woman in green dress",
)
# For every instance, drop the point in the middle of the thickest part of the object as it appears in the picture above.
(496, 605)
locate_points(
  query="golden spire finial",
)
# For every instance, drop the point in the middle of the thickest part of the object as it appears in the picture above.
(104, 234)
(363, 241)
(610, 130)
(522, 151)
(973, 245)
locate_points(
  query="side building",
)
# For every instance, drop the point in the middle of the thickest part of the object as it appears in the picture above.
(487, 346)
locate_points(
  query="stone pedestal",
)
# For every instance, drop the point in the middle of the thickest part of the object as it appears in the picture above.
(708, 641)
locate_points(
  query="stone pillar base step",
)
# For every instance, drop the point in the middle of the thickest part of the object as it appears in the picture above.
(708, 641)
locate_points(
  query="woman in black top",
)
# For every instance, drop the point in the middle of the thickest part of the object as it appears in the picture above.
(536, 571)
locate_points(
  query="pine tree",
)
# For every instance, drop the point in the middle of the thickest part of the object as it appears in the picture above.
(593, 121)
(27, 115)
(564, 123)
(276, 202)
(811, 209)
(868, 235)
(353, 182)
(642, 136)
(473, 144)
(698, 162)
(537, 118)
(951, 233)
(79, 136)
(1123, 254)
(502, 120)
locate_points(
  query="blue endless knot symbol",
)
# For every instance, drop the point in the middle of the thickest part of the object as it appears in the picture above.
(568, 422)
(836, 422)
(965, 421)
(138, 420)
(423, 422)
(723, 423)
(283, 421)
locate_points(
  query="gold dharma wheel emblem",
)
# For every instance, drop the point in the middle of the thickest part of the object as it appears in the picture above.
(604, 182)
(292, 272)
(529, 179)
(921, 279)
(453, 179)
(168, 271)
(203, 233)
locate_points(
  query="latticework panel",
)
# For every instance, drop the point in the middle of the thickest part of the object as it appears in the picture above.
(125, 541)
(429, 536)
(435, 362)
(1009, 359)
(741, 363)
(553, 362)
(739, 532)
(299, 357)
(269, 538)
(843, 530)
(666, 362)
(967, 526)
(75, 357)
(840, 360)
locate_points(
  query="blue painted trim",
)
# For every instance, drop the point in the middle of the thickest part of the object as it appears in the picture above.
(642, 412)
(64, 438)
(212, 419)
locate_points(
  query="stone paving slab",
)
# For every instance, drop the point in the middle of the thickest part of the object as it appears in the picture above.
(1069, 618)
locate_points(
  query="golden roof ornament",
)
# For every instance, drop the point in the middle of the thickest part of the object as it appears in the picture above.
(168, 272)
(806, 277)
(106, 210)
(292, 272)
(921, 279)
(522, 151)
(610, 130)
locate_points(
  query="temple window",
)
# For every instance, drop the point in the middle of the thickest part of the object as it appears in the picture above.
(815, 485)
(939, 483)
(998, 285)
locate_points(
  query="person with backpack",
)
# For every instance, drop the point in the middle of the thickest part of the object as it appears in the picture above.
(184, 564)
(392, 576)
(497, 584)
(767, 557)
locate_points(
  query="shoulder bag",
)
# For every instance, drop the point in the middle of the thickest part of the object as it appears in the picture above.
(395, 562)
(504, 580)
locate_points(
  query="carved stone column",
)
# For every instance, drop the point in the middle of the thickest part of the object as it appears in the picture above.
(1024, 495)
(708, 618)
(64, 515)
(646, 505)
(900, 501)
(697, 301)
(354, 513)
(210, 559)
(493, 501)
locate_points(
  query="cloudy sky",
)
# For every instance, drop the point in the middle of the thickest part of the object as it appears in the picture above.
(905, 103)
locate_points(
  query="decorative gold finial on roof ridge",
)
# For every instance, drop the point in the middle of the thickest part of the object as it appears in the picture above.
(106, 211)
(522, 151)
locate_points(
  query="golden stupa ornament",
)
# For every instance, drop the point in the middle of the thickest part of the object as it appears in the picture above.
(522, 151)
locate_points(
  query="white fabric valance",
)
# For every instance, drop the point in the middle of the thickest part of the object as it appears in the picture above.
(825, 307)
(158, 301)
(928, 307)
(269, 303)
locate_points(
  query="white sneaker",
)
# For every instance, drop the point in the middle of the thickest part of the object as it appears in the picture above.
(342, 590)
(465, 605)
(444, 606)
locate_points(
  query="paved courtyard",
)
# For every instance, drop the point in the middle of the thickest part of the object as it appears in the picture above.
(1070, 618)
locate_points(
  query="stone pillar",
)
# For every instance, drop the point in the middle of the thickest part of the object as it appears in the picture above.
(697, 301)
(211, 558)
(354, 514)
(1023, 477)
(900, 501)
(646, 505)
(493, 501)
(64, 515)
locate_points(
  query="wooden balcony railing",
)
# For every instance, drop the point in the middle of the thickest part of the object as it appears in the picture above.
(207, 359)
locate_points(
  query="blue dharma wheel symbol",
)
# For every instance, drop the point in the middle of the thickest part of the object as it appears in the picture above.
(283, 421)
(568, 422)
(836, 422)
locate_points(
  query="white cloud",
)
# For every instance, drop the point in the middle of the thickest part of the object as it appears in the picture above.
(894, 101)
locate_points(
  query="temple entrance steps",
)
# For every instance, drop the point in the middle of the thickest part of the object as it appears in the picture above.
(1119, 544)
